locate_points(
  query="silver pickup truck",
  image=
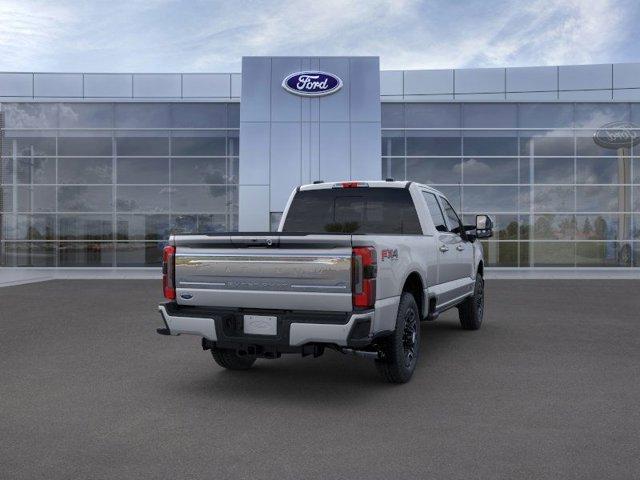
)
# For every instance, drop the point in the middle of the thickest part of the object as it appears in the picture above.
(354, 266)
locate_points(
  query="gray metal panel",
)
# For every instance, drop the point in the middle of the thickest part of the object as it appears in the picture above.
(256, 89)
(334, 151)
(582, 77)
(253, 214)
(626, 75)
(586, 95)
(335, 107)
(285, 161)
(391, 83)
(365, 154)
(157, 85)
(254, 152)
(532, 79)
(305, 152)
(16, 84)
(480, 96)
(57, 85)
(206, 85)
(364, 84)
(108, 85)
(315, 151)
(285, 107)
(425, 98)
(630, 94)
(479, 80)
(426, 82)
(532, 96)
(236, 85)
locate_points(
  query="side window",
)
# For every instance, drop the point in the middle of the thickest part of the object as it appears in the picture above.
(435, 211)
(455, 225)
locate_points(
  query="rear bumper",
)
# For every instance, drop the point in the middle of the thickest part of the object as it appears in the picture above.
(224, 326)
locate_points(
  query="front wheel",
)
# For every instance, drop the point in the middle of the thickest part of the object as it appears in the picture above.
(471, 310)
(401, 349)
(230, 360)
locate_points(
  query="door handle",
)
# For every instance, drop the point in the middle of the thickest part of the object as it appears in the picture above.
(444, 248)
(460, 248)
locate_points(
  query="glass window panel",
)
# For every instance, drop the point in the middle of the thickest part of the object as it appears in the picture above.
(525, 257)
(453, 194)
(233, 112)
(427, 144)
(393, 168)
(142, 115)
(199, 199)
(500, 254)
(199, 224)
(525, 170)
(603, 170)
(490, 199)
(432, 115)
(130, 254)
(554, 199)
(32, 146)
(6, 199)
(602, 226)
(525, 227)
(35, 227)
(392, 143)
(635, 234)
(435, 211)
(85, 227)
(90, 146)
(209, 144)
(92, 115)
(433, 171)
(36, 170)
(30, 115)
(392, 115)
(491, 144)
(553, 170)
(525, 198)
(553, 254)
(85, 254)
(85, 170)
(490, 115)
(636, 170)
(36, 199)
(490, 170)
(199, 115)
(545, 115)
(598, 114)
(274, 221)
(603, 199)
(585, 145)
(7, 226)
(143, 227)
(142, 170)
(233, 170)
(603, 254)
(546, 144)
(145, 146)
(6, 170)
(233, 143)
(85, 199)
(199, 170)
(554, 227)
(636, 254)
(37, 254)
(636, 199)
(143, 199)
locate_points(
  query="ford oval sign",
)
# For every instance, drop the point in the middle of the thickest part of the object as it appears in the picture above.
(312, 84)
(617, 135)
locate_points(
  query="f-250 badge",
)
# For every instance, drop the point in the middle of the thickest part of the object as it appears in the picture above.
(389, 254)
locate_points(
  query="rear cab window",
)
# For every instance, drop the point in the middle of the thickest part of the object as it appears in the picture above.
(362, 210)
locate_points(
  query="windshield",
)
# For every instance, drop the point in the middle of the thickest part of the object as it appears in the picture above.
(353, 210)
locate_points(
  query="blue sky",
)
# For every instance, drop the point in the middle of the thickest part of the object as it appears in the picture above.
(212, 36)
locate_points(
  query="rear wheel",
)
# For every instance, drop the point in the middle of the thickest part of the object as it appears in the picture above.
(401, 349)
(471, 310)
(230, 360)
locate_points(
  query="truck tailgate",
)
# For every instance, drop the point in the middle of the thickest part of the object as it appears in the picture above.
(301, 272)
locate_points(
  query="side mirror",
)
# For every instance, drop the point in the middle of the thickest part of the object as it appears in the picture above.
(484, 226)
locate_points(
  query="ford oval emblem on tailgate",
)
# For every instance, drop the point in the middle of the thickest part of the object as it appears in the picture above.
(186, 296)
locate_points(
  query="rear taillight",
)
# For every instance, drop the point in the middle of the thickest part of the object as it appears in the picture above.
(364, 277)
(168, 272)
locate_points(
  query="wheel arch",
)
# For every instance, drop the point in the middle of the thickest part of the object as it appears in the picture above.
(414, 285)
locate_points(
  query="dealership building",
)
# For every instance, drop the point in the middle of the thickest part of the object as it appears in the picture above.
(98, 169)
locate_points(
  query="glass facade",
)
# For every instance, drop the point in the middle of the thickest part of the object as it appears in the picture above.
(558, 198)
(104, 184)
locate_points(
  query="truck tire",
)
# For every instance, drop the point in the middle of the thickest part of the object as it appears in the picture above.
(230, 360)
(471, 310)
(401, 349)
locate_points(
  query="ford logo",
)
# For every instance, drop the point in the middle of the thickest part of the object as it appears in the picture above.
(312, 84)
(186, 296)
(616, 135)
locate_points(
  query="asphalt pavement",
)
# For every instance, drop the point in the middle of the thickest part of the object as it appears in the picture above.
(549, 388)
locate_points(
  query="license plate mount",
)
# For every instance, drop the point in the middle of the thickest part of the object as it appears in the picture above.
(260, 325)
